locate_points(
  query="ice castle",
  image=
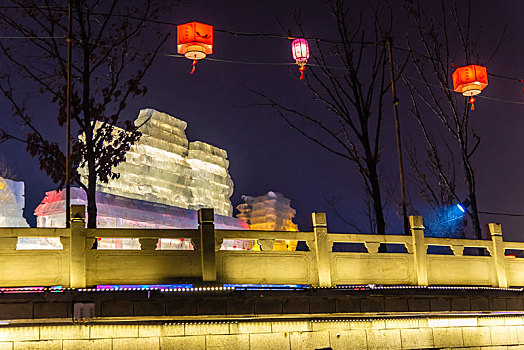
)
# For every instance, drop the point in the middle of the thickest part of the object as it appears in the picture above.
(164, 179)
(164, 167)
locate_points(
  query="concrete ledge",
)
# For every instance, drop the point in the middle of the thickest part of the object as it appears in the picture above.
(328, 301)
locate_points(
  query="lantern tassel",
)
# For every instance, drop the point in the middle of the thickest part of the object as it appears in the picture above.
(472, 101)
(193, 70)
(302, 69)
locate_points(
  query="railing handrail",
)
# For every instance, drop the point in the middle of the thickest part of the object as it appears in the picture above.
(262, 234)
(320, 265)
(513, 245)
(142, 233)
(34, 232)
(364, 237)
(444, 241)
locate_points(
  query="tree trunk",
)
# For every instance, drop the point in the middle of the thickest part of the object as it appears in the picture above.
(91, 179)
(376, 197)
(474, 215)
(91, 194)
(90, 147)
(470, 180)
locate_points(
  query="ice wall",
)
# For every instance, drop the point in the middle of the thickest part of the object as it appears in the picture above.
(271, 212)
(12, 203)
(163, 167)
(211, 186)
(121, 212)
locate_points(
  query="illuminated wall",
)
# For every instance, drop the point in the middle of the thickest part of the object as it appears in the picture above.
(393, 333)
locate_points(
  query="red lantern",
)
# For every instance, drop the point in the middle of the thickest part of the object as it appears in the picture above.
(300, 50)
(195, 41)
(470, 81)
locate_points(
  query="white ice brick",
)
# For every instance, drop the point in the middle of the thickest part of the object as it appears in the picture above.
(164, 167)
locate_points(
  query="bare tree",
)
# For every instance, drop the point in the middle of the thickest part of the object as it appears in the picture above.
(438, 41)
(438, 192)
(112, 51)
(349, 77)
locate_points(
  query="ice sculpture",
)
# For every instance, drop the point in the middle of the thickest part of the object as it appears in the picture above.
(270, 212)
(121, 212)
(163, 167)
(12, 203)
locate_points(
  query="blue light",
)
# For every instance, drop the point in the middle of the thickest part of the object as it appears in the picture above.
(461, 207)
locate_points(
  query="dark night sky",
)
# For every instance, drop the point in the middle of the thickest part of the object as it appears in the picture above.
(265, 154)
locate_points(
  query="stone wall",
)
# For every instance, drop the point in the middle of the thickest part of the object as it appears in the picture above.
(340, 318)
(405, 333)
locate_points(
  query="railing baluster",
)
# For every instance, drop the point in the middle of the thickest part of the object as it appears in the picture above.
(420, 251)
(207, 244)
(498, 254)
(322, 249)
(77, 267)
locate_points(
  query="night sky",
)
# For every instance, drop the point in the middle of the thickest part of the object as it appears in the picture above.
(266, 154)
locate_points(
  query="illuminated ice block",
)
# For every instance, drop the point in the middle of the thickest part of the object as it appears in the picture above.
(12, 203)
(164, 167)
(121, 212)
(271, 212)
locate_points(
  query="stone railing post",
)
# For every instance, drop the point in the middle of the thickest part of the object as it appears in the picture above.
(77, 248)
(498, 254)
(419, 249)
(206, 225)
(322, 249)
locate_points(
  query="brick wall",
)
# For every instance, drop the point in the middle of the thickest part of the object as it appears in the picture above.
(400, 333)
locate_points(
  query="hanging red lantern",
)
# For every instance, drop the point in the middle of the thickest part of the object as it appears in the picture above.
(470, 81)
(195, 41)
(300, 50)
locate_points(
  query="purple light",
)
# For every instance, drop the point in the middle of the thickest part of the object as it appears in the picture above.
(141, 286)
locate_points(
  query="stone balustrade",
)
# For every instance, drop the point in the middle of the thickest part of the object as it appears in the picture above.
(78, 265)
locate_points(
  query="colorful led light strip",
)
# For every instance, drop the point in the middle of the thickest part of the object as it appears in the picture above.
(22, 290)
(127, 287)
(267, 286)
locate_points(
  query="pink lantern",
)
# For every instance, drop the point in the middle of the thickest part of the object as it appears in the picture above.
(300, 50)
